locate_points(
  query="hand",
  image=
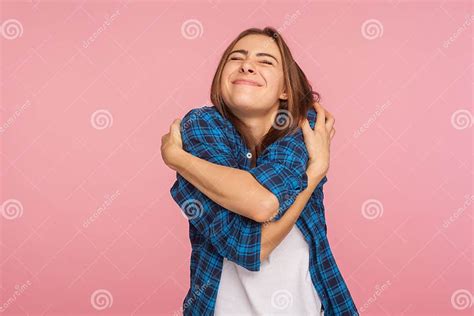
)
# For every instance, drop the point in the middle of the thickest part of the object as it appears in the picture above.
(318, 141)
(172, 144)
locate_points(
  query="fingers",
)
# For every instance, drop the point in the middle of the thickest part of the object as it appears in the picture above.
(321, 116)
(332, 133)
(324, 118)
(175, 126)
(305, 127)
(330, 120)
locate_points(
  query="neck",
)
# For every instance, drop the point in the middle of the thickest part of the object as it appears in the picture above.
(257, 125)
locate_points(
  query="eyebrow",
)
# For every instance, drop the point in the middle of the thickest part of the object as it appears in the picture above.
(245, 52)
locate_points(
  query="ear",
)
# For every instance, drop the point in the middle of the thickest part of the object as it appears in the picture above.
(283, 96)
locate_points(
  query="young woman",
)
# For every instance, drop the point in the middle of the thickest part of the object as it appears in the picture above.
(249, 168)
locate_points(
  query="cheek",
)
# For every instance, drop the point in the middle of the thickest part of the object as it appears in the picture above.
(274, 79)
(228, 69)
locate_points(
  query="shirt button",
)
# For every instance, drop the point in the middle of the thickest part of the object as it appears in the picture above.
(249, 155)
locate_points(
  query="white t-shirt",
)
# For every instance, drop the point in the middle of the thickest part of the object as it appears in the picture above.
(282, 286)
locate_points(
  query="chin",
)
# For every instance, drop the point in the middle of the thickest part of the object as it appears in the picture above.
(245, 103)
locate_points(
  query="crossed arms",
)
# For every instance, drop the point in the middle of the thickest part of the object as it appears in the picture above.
(236, 202)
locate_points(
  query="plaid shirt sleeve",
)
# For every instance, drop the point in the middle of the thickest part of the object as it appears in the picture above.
(235, 237)
(282, 170)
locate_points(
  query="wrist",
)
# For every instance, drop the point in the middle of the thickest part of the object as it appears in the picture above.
(178, 160)
(315, 175)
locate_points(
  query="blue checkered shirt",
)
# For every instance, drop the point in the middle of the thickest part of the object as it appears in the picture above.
(216, 233)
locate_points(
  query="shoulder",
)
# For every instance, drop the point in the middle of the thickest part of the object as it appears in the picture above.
(202, 117)
(295, 137)
(204, 125)
(292, 145)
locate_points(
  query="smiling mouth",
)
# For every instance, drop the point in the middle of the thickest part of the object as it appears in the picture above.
(246, 82)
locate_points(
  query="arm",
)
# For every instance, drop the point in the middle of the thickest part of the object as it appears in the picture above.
(234, 189)
(235, 237)
(316, 141)
(259, 193)
(273, 232)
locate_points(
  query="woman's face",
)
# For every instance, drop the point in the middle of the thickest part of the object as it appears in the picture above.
(252, 78)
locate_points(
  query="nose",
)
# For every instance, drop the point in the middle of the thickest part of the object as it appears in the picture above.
(247, 67)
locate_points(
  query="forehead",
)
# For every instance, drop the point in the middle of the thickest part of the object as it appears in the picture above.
(257, 43)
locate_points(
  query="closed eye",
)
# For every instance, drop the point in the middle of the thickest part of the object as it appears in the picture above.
(263, 61)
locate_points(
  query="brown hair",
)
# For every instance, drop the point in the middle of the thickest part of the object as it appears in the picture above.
(299, 91)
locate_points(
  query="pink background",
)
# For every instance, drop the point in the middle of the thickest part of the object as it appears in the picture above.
(85, 194)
